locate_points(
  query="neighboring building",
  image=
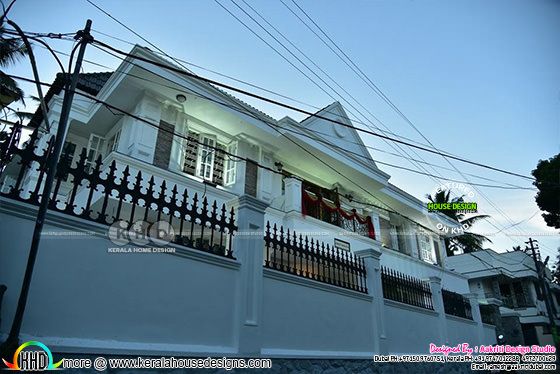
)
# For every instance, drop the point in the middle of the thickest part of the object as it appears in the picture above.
(511, 278)
(216, 169)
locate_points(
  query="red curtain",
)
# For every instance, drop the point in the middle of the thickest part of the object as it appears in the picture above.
(331, 207)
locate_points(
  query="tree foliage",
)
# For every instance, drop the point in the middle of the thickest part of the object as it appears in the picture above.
(547, 175)
(12, 49)
(556, 269)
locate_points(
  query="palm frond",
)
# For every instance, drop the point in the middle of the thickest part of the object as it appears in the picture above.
(472, 220)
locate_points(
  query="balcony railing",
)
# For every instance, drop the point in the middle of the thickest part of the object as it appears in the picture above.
(308, 258)
(113, 196)
(406, 289)
(456, 304)
(327, 211)
(512, 302)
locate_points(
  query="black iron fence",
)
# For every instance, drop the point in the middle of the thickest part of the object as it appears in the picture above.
(111, 194)
(456, 304)
(487, 314)
(406, 289)
(308, 258)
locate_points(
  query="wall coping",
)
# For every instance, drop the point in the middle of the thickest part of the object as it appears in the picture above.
(413, 308)
(294, 279)
(488, 325)
(62, 220)
(250, 202)
(461, 319)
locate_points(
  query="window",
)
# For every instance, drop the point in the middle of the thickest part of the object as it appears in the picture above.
(385, 234)
(95, 148)
(230, 164)
(113, 143)
(401, 240)
(205, 160)
(425, 248)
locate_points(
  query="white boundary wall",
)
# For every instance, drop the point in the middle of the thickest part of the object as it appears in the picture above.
(85, 299)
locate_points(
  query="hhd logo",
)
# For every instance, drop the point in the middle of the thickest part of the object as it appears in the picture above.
(32, 360)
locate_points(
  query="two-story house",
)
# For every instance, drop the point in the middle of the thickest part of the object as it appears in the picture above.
(326, 181)
(279, 229)
(512, 279)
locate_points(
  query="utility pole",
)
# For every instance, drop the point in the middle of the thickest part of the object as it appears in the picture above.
(542, 284)
(85, 37)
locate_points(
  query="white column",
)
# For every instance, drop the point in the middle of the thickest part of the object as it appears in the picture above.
(177, 157)
(138, 137)
(292, 192)
(371, 258)
(248, 249)
(376, 225)
(437, 301)
(264, 191)
(475, 310)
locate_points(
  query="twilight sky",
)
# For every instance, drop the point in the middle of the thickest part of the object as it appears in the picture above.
(480, 79)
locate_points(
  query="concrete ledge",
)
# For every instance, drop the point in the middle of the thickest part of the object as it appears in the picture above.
(461, 319)
(294, 279)
(412, 308)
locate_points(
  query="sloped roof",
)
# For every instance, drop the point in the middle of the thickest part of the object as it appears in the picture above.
(90, 83)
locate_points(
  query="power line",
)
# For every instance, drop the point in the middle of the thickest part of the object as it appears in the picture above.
(380, 93)
(318, 132)
(352, 118)
(297, 132)
(93, 98)
(375, 89)
(238, 90)
(311, 70)
(144, 39)
(287, 106)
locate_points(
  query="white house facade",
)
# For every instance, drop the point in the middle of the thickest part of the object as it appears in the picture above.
(287, 239)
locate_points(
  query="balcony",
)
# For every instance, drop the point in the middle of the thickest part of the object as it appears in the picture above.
(511, 301)
(317, 206)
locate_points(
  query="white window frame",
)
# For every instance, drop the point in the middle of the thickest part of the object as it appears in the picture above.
(206, 156)
(98, 150)
(113, 142)
(230, 164)
(425, 249)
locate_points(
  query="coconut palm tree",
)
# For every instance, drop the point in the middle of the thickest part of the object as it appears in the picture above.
(12, 49)
(467, 242)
